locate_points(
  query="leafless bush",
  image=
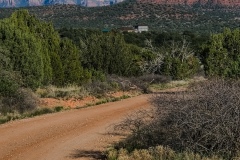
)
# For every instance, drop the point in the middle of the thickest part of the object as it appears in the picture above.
(205, 119)
(137, 125)
(136, 121)
(151, 67)
(98, 88)
(121, 83)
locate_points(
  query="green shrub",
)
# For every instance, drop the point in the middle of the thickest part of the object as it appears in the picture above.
(58, 108)
(221, 54)
(40, 111)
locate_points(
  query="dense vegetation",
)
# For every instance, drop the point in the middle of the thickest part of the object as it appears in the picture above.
(157, 17)
(222, 54)
(34, 54)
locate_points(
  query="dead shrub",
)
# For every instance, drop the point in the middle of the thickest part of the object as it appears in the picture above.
(139, 127)
(23, 100)
(205, 119)
(98, 89)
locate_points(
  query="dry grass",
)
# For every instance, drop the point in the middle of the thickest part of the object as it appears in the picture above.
(157, 153)
(175, 84)
(71, 91)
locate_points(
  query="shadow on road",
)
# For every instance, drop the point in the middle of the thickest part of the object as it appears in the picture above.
(88, 154)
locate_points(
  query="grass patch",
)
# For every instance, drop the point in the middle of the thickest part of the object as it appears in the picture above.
(174, 84)
(37, 112)
(169, 85)
(71, 91)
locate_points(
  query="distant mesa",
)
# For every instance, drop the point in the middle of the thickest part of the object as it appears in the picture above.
(26, 3)
(231, 3)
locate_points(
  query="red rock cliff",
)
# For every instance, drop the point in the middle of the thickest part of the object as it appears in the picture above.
(191, 2)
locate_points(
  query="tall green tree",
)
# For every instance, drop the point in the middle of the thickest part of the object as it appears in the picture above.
(110, 54)
(25, 53)
(28, 40)
(71, 62)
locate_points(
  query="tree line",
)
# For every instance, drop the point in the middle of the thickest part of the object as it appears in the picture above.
(35, 51)
(34, 54)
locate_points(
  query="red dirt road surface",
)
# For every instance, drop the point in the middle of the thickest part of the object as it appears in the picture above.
(68, 135)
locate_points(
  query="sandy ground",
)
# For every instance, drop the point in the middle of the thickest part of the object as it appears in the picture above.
(68, 135)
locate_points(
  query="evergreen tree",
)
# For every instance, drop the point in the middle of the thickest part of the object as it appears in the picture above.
(23, 34)
(70, 58)
(25, 53)
(110, 54)
(5, 60)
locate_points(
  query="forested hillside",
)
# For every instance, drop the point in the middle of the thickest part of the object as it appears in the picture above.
(177, 18)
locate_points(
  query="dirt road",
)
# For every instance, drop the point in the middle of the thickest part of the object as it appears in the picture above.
(74, 134)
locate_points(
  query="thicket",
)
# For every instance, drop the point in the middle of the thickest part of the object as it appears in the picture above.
(106, 52)
(33, 54)
(203, 120)
(161, 38)
(42, 56)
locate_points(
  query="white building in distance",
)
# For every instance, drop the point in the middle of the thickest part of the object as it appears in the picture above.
(141, 28)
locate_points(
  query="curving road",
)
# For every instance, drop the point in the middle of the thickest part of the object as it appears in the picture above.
(68, 135)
